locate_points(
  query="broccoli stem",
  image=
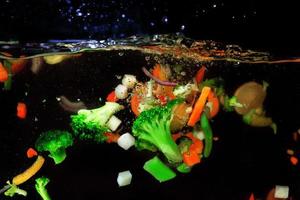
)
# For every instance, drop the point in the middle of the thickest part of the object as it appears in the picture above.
(59, 155)
(40, 187)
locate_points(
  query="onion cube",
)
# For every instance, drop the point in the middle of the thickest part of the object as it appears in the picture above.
(281, 192)
(129, 80)
(121, 91)
(113, 123)
(124, 178)
(126, 141)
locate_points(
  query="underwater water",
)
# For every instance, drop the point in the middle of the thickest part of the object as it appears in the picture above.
(244, 159)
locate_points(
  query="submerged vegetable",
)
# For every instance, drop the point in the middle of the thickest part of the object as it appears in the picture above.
(40, 186)
(55, 142)
(124, 178)
(31, 153)
(159, 170)
(14, 190)
(21, 110)
(3, 73)
(208, 135)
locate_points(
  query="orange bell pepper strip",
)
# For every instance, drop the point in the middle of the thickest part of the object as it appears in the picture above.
(134, 104)
(199, 106)
(3, 74)
(21, 110)
(200, 75)
(191, 158)
(112, 137)
(213, 99)
(111, 97)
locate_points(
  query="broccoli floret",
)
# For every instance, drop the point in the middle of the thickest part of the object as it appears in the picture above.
(56, 142)
(13, 189)
(40, 186)
(152, 129)
(91, 124)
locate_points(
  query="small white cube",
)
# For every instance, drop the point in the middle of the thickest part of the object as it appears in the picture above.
(121, 91)
(129, 80)
(113, 123)
(281, 192)
(126, 141)
(124, 178)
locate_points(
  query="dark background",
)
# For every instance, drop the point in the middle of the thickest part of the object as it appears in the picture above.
(260, 24)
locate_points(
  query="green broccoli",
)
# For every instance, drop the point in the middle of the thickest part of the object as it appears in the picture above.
(56, 142)
(91, 124)
(13, 189)
(152, 129)
(40, 186)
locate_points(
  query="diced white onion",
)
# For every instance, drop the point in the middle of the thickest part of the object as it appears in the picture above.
(124, 178)
(129, 80)
(113, 123)
(121, 91)
(199, 135)
(281, 192)
(126, 141)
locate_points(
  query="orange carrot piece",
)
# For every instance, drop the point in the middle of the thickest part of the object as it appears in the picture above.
(21, 110)
(157, 71)
(199, 106)
(111, 97)
(112, 137)
(3, 73)
(215, 104)
(190, 158)
(134, 104)
(200, 75)
(294, 160)
(31, 153)
(252, 197)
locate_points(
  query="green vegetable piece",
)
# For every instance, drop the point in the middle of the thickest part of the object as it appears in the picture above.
(159, 170)
(8, 83)
(91, 124)
(40, 186)
(14, 190)
(208, 135)
(183, 168)
(152, 127)
(56, 142)
(231, 103)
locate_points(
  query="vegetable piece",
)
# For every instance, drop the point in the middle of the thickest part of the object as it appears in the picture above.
(28, 173)
(113, 123)
(129, 80)
(31, 153)
(259, 120)
(159, 170)
(199, 106)
(14, 190)
(56, 142)
(200, 75)
(40, 186)
(91, 124)
(21, 110)
(197, 145)
(126, 141)
(111, 137)
(231, 103)
(18, 64)
(294, 160)
(121, 91)
(183, 168)
(134, 104)
(215, 105)
(111, 97)
(8, 68)
(281, 192)
(3, 74)
(124, 178)
(180, 116)
(161, 82)
(191, 158)
(208, 135)
(153, 128)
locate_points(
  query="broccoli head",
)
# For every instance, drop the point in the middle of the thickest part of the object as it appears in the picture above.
(56, 142)
(91, 124)
(152, 129)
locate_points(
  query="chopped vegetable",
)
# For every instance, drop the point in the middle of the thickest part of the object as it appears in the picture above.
(21, 110)
(126, 141)
(129, 80)
(183, 168)
(56, 142)
(200, 75)
(91, 124)
(159, 170)
(215, 105)
(259, 120)
(3, 74)
(208, 135)
(199, 106)
(134, 104)
(121, 91)
(294, 160)
(113, 123)
(153, 128)
(191, 158)
(161, 82)
(181, 114)
(251, 197)
(14, 190)
(124, 178)
(111, 97)
(40, 186)
(28, 173)
(31, 153)
(111, 137)
(281, 192)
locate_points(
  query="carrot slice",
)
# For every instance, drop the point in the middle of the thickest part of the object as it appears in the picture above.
(21, 110)
(215, 104)
(31, 153)
(200, 75)
(294, 160)
(31, 171)
(190, 158)
(134, 104)
(3, 73)
(199, 106)
(111, 97)
(112, 137)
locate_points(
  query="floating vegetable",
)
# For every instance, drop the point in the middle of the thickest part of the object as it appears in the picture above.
(31, 153)
(124, 178)
(40, 186)
(208, 135)
(14, 190)
(3, 74)
(21, 110)
(200, 75)
(126, 141)
(111, 97)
